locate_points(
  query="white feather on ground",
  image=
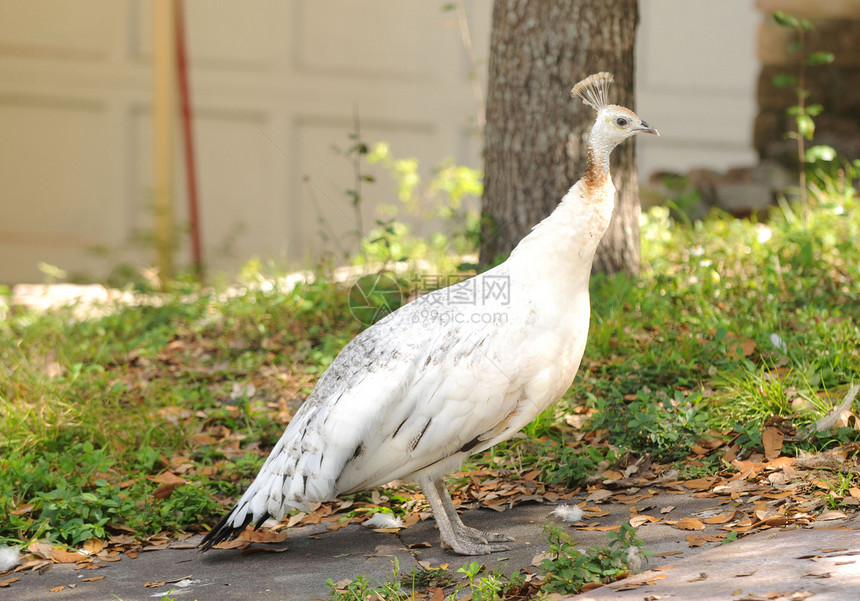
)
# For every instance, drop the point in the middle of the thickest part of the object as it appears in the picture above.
(383, 520)
(8, 558)
(635, 560)
(569, 514)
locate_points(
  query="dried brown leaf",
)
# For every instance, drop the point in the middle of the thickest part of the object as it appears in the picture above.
(22, 509)
(590, 586)
(42, 550)
(699, 483)
(437, 594)
(689, 524)
(93, 545)
(263, 536)
(722, 519)
(601, 494)
(638, 520)
(63, 556)
(772, 440)
(164, 491)
(167, 478)
(832, 514)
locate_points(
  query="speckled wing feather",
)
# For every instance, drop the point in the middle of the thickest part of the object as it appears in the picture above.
(422, 386)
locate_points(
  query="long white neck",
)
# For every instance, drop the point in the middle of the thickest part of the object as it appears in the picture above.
(563, 244)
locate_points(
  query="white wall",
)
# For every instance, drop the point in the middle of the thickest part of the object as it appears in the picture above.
(275, 87)
(695, 81)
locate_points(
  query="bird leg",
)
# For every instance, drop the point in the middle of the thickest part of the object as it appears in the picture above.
(459, 527)
(455, 535)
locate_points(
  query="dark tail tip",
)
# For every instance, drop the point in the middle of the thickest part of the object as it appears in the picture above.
(223, 531)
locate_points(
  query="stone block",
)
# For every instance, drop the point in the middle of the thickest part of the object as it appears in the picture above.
(841, 37)
(773, 175)
(846, 92)
(744, 198)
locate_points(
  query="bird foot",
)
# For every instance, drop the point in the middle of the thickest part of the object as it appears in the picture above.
(480, 536)
(471, 541)
(468, 546)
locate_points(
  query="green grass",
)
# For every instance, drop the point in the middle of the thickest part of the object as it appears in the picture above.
(730, 323)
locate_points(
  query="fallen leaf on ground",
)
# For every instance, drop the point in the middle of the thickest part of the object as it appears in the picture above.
(22, 509)
(721, 519)
(437, 595)
(42, 550)
(263, 536)
(165, 490)
(63, 556)
(92, 579)
(699, 483)
(628, 586)
(8, 581)
(93, 545)
(772, 440)
(638, 520)
(689, 524)
(599, 528)
(598, 495)
(56, 589)
(168, 478)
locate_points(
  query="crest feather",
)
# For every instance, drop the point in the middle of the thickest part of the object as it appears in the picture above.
(594, 90)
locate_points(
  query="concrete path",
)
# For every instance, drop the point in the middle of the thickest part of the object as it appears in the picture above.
(821, 563)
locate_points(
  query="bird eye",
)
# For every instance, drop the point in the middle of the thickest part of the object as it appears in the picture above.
(621, 122)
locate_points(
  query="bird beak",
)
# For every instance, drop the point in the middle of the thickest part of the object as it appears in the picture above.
(647, 129)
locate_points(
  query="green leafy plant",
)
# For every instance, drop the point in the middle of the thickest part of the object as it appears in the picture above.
(361, 588)
(492, 586)
(567, 569)
(419, 578)
(445, 199)
(568, 465)
(664, 426)
(802, 112)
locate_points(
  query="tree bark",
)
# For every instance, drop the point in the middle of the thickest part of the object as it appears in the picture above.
(536, 134)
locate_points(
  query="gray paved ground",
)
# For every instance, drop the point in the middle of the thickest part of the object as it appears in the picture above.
(822, 561)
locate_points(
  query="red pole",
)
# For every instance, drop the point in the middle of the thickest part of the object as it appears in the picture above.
(188, 139)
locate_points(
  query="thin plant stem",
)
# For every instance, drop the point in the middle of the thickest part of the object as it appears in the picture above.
(477, 92)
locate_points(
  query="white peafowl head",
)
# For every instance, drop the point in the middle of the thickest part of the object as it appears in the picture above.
(614, 123)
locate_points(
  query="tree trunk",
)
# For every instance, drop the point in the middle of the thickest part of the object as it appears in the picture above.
(536, 134)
